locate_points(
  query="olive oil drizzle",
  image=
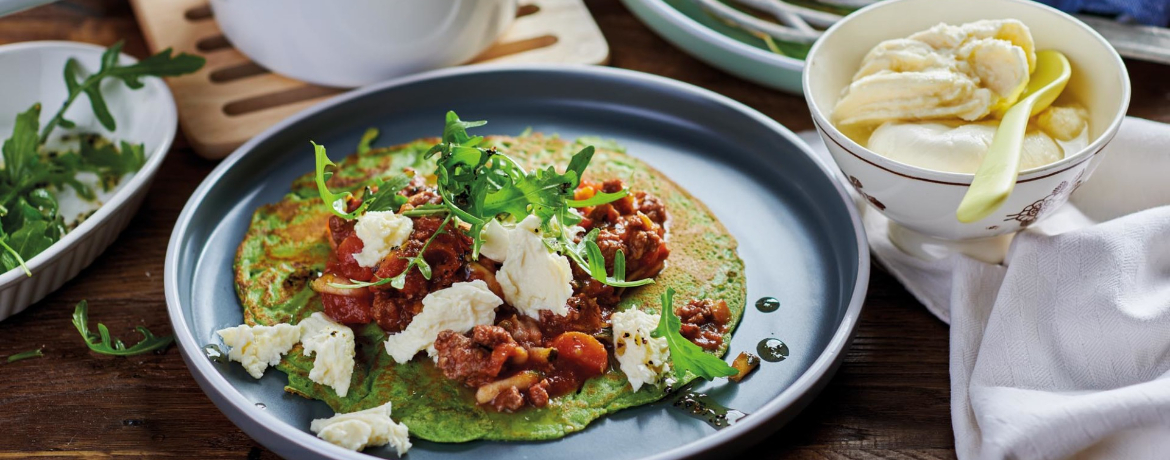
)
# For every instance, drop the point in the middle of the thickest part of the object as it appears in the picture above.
(772, 350)
(704, 407)
(768, 304)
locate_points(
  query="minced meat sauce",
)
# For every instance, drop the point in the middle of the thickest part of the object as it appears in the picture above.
(704, 321)
(519, 360)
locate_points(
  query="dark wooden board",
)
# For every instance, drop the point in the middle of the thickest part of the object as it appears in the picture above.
(891, 398)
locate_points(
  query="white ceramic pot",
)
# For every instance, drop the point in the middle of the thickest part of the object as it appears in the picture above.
(349, 43)
(923, 200)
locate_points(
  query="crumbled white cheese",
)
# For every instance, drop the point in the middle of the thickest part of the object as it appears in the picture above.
(459, 308)
(359, 430)
(333, 343)
(380, 232)
(257, 347)
(642, 358)
(533, 277)
(574, 231)
(495, 241)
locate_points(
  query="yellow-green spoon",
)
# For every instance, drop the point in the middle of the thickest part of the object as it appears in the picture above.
(997, 175)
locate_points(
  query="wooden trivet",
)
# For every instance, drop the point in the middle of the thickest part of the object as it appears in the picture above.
(232, 98)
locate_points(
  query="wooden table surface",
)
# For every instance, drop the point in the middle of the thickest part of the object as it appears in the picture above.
(889, 400)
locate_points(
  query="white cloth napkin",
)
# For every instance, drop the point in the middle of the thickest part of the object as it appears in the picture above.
(1063, 351)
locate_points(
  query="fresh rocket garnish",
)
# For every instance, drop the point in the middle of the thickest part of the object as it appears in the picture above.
(599, 199)
(385, 199)
(478, 184)
(588, 255)
(29, 218)
(103, 343)
(685, 356)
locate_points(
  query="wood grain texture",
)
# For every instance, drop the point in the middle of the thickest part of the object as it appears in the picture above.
(889, 400)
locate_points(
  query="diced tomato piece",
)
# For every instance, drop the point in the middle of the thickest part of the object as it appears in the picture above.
(347, 266)
(583, 351)
(392, 265)
(348, 309)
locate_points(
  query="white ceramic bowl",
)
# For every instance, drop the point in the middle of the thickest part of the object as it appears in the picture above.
(32, 72)
(349, 43)
(924, 200)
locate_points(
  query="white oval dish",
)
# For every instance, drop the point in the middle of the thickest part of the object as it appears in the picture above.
(924, 201)
(32, 72)
(353, 43)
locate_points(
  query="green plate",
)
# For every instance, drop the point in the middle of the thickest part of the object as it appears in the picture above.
(684, 24)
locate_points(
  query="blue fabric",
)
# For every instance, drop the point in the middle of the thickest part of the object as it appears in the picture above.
(1149, 12)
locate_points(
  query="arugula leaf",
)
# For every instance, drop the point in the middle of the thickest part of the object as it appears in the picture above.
(336, 202)
(587, 255)
(32, 238)
(43, 201)
(387, 197)
(685, 356)
(103, 343)
(536, 193)
(577, 165)
(368, 138)
(162, 64)
(98, 103)
(10, 258)
(418, 261)
(20, 150)
(599, 199)
(426, 210)
(99, 156)
(26, 355)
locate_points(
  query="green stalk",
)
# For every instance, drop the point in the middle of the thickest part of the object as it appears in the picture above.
(53, 122)
(15, 254)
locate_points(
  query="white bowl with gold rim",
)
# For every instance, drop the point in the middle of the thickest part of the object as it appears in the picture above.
(920, 201)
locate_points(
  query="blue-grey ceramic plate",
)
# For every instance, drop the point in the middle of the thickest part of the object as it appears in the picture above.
(798, 232)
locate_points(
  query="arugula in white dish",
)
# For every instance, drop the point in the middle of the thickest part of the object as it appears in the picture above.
(30, 221)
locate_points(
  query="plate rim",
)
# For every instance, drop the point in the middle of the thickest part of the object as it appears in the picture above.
(215, 386)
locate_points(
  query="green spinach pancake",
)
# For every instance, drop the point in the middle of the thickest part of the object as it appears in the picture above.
(498, 288)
